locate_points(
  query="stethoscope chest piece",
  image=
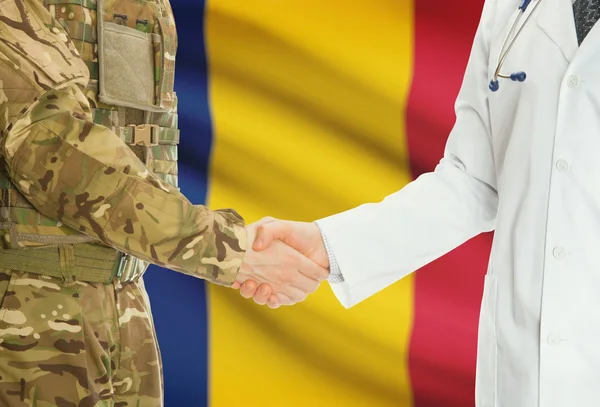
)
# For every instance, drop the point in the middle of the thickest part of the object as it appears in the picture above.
(511, 36)
(515, 77)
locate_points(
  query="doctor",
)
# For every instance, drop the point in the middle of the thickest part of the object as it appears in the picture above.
(523, 159)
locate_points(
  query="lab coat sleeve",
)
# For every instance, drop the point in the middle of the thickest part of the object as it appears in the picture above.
(377, 244)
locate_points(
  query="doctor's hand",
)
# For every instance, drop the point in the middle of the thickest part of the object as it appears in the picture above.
(305, 237)
(286, 273)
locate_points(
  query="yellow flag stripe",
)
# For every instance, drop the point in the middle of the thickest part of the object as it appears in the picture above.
(308, 101)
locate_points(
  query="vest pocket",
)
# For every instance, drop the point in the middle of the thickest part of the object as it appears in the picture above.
(485, 381)
(126, 58)
(137, 43)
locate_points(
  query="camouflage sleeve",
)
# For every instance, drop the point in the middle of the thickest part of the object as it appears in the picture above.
(85, 176)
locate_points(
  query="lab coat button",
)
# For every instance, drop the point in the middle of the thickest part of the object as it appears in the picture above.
(553, 340)
(572, 81)
(559, 252)
(562, 165)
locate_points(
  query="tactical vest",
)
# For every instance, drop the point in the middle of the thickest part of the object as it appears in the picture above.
(129, 48)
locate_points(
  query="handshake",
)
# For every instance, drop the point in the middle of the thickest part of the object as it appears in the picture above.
(284, 262)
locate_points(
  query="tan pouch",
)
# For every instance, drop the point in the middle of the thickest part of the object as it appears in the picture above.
(126, 62)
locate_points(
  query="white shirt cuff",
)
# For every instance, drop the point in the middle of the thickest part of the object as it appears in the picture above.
(335, 274)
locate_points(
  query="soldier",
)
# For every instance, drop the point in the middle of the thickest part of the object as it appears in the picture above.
(89, 197)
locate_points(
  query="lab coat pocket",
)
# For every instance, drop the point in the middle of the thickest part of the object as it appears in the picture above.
(485, 382)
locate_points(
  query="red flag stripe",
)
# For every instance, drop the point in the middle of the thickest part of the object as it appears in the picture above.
(448, 291)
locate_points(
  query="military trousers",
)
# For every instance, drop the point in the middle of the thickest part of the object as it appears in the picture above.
(77, 344)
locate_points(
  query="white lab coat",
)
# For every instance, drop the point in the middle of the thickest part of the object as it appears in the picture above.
(524, 161)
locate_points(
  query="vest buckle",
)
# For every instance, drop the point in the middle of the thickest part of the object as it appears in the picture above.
(145, 135)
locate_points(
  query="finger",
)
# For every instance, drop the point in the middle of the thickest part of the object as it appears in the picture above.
(270, 231)
(303, 283)
(285, 300)
(236, 285)
(262, 294)
(294, 294)
(311, 269)
(248, 289)
(277, 300)
(273, 302)
(259, 223)
(266, 219)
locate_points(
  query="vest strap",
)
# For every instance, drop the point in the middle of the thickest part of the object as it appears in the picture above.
(148, 135)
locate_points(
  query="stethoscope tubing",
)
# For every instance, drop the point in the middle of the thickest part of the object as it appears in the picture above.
(507, 45)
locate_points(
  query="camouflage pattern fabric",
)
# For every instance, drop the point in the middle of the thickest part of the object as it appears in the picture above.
(79, 346)
(84, 176)
(68, 176)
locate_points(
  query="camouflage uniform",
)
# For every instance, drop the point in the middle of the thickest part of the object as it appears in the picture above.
(87, 179)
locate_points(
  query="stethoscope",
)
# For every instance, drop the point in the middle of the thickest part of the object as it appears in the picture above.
(506, 46)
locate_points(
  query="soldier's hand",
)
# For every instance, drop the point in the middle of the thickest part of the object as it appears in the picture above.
(283, 272)
(302, 236)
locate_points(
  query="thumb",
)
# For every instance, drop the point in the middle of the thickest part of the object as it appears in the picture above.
(266, 233)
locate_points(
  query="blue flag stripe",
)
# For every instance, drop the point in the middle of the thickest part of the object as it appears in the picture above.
(178, 301)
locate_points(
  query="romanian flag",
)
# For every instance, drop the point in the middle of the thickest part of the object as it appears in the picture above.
(299, 109)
